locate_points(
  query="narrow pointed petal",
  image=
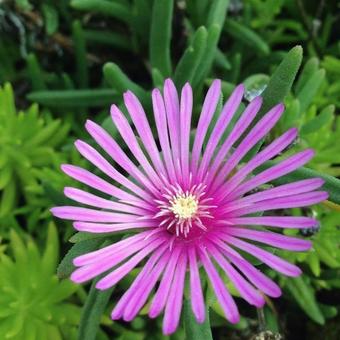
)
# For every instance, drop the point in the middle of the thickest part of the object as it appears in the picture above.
(93, 181)
(196, 295)
(111, 147)
(172, 111)
(137, 301)
(254, 136)
(163, 135)
(294, 201)
(90, 227)
(91, 215)
(102, 164)
(284, 167)
(255, 276)
(128, 242)
(174, 303)
(270, 238)
(272, 150)
(142, 125)
(130, 139)
(247, 291)
(208, 110)
(275, 221)
(159, 300)
(84, 197)
(185, 124)
(124, 302)
(224, 119)
(115, 276)
(240, 127)
(269, 259)
(223, 296)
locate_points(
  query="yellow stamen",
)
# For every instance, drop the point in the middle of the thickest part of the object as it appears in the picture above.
(184, 206)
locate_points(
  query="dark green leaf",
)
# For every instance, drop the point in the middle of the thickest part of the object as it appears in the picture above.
(308, 70)
(304, 295)
(247, 36)
(74, 98)
(160, 36)
(92, 312)
(108, 8)
(191, 58)
(66, 266)
(119, 81)
(80, 54)
(308, 91)
(35, 73)
(193, 329)
(278, 87)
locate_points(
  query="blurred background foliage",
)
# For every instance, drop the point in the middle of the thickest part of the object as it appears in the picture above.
(64, 61)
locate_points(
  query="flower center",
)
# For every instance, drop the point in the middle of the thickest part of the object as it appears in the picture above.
(182, 211)
(184, 206)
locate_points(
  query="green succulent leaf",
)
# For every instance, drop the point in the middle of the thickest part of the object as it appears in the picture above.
(304, 295)
(160, 36)
(193, 329)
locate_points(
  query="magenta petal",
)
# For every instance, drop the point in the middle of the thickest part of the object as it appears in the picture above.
(269, 259)
(143, 128)
(175, 300)
(223, 296)
(115, 276)
(209, 107)
(274, 221)
(185, 124)
(196, 295)
(137, 300)
(272, 239)
(224, 119)
(159, 300)
(247, 291)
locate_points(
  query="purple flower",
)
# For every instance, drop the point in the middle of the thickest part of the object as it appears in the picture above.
(187, 205)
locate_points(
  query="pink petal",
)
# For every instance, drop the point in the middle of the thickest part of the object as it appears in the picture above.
(174, 303)
(117, 274)
(162, 129)
(208, 110)
(258, 279)
(274, 221)
(284, 167)
(84, 197)
(246, 290)
(269, 259)
(185, 124)
(142, 125)
(137, 301)
(118, 155)
(101, 163)
(161, 296)
(172, 111)
(126, 243)
(223, 296)
(112, 227)
(240, 127)
(224, 119)
(196, 295)
(129, 137)
(273, 149)
(256, 134)
(272, 239)
(93, 181)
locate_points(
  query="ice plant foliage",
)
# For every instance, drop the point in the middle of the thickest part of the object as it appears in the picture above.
(190, 207)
